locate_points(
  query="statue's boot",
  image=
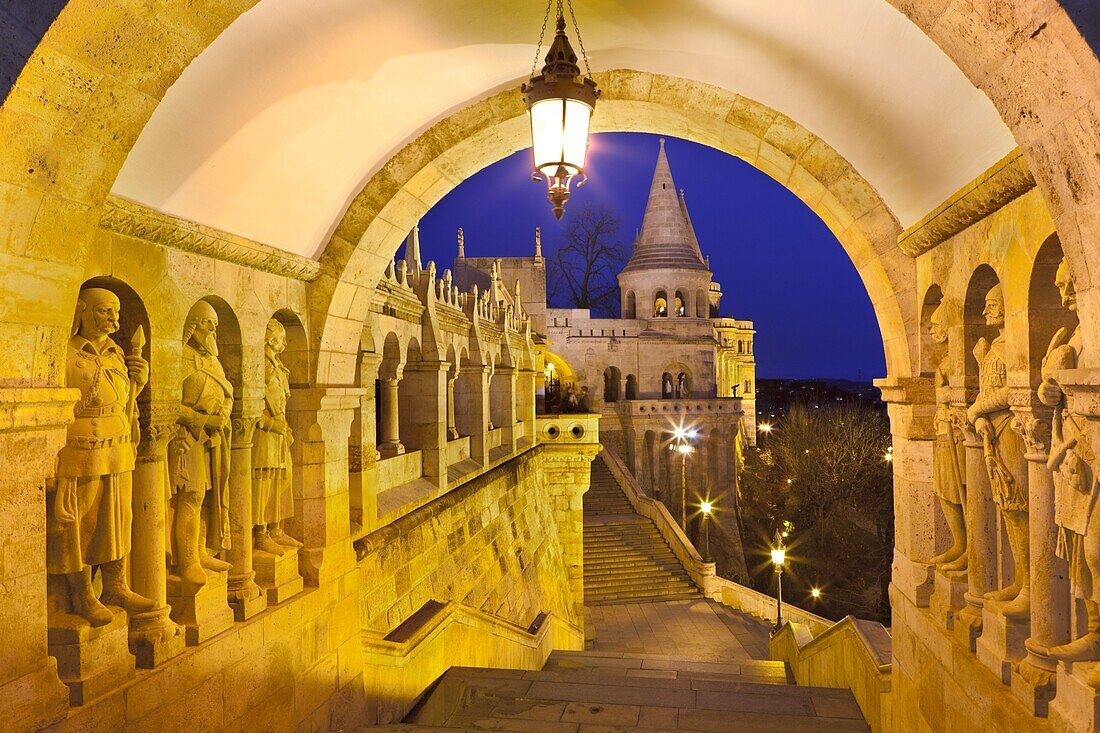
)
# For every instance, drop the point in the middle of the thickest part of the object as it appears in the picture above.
(1084, 648)
(187, 545)
(85, 604)
(282, 537)
(959, 564)
(116, 589)
(1007, 593)
(210, 562)
(262, 541)
(1019, 608)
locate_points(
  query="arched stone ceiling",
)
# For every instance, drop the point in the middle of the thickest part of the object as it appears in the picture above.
(274, 128)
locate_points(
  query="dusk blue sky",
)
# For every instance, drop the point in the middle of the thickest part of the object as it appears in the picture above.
(777, 262)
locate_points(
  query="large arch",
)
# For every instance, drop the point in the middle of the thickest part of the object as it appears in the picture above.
(104, 70)
(420, 174)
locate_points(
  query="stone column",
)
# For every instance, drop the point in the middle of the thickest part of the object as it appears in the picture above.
(321, 420)
(525, 402)
(31, 433)
(912, 409)
(1033, 680)
(154, 637)
(363, 450)
(981, 541)
(567, 471)
(472, 410)
(245, 597)
(390, 440)
(423, 396)
(503, 396)
(452, 429)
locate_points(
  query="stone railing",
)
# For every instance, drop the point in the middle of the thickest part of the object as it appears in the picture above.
(398, 666)
(680, 406)
(724, 591)
(851, 654)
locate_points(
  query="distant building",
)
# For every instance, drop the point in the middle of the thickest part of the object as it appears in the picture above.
(670, 361)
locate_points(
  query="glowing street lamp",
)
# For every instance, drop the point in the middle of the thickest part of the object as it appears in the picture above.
(815, 593)
(779, 557)
(764, 427)
(560, 105)
(682, 444)
(706, 508)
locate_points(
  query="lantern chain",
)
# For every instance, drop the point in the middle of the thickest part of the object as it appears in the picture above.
(542, 35)
(580, 41)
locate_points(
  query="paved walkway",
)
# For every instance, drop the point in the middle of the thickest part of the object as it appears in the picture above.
(697, 628)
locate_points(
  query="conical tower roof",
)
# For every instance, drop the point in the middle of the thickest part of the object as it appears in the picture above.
(667, 240)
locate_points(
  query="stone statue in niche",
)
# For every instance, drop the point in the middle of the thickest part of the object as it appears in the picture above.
(1004, 455)
(89, 509)
(948, 460)
(198, 463)
(1075, 485)
(272, 494)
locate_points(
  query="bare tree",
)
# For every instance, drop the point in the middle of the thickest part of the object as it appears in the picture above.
(582, 272)
(825, 475)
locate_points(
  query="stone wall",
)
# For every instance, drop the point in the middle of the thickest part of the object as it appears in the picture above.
(493, 544)
(294, 667)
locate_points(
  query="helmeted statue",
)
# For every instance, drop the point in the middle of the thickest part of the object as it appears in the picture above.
(272, 493)
(199, 453)
(948, 460)
(89, 504)
(1004, 454)
(1075, 483)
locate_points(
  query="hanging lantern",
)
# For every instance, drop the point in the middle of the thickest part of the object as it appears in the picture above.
(560, 105)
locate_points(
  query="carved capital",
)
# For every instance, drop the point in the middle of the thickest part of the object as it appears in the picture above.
(157, 421)
(1036, 435)
(244, 429)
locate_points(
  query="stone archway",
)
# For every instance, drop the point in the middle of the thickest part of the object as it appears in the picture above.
(111, 66)
(421, 173)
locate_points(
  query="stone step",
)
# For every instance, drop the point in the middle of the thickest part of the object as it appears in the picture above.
(608, 583)
(597, 571)
(666, 666)
(646, 595)
(568, 700)
(637, 592)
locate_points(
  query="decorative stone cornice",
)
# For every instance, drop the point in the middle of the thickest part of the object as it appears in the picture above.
(136, 220)
(1006, 181)
(36, 408)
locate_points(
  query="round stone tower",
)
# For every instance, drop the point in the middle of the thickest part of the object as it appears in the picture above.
(666, 276)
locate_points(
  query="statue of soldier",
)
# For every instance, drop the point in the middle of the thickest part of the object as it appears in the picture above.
(199, 454)
(948, 460)
(1004, 454)
(89, 509)
(1075, 483)
(272, 494)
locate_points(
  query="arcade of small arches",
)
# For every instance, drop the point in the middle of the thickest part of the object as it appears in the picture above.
(986, 304)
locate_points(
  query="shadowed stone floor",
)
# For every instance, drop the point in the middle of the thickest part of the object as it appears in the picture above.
(697, 628)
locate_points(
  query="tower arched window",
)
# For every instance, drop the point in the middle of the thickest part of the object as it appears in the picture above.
(660, 305)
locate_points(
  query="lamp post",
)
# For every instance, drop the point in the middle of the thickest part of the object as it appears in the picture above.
(779, 556)
(706, 507)
(682, 445)
(560, 104)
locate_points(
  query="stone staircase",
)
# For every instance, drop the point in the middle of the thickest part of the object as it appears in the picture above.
(586, 692)
(625, 558)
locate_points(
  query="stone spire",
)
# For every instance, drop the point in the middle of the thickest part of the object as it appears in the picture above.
(538, 243)
(667, 239)
(461, 244)
(412, 250)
